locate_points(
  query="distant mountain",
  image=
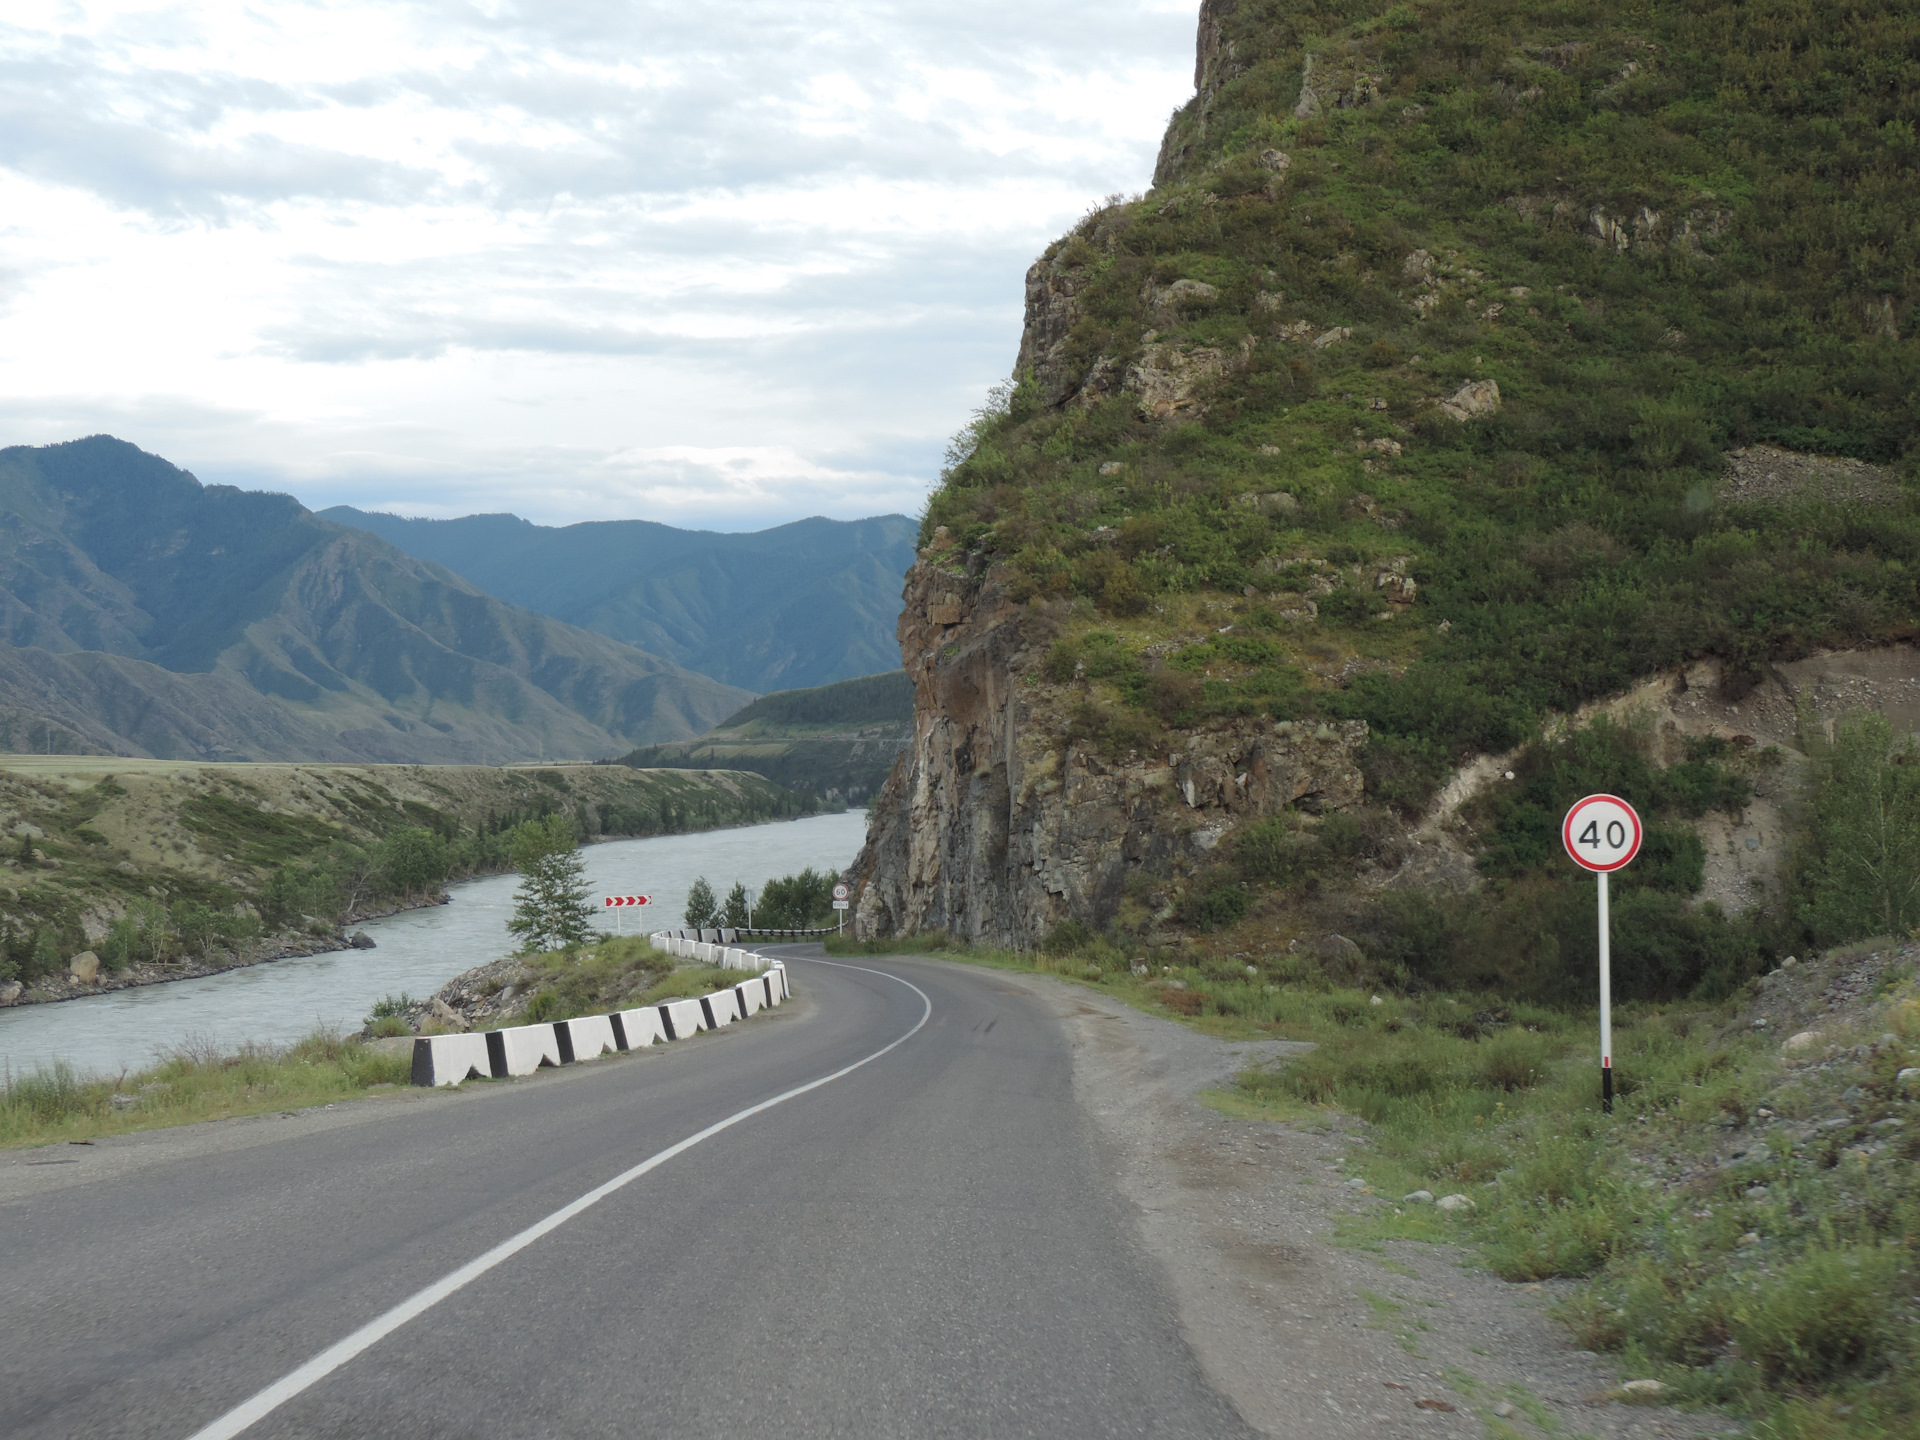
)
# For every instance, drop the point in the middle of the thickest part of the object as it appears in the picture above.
(146, 613)
(800, 605)
(836, 742)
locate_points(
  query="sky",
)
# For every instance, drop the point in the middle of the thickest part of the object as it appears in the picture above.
(715, 265)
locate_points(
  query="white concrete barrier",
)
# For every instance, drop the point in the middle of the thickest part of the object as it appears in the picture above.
(522, 1049)
(683, 1018)
(449, 1059)
(717, 1009)
(640, 1028)
(586, 1038)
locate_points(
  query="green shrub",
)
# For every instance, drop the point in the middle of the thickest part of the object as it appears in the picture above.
(1826, 1312)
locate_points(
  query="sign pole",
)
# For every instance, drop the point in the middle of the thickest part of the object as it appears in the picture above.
(1606, 1002)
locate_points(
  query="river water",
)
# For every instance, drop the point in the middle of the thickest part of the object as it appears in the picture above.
(418, 952)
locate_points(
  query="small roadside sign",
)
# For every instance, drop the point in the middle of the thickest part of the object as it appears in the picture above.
(1602, 833)
(618, 904)
(840, 892)
(842, 904)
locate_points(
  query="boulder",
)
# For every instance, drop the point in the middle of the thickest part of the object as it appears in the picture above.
(1418, 1197)
(1800, 1041)
(1476, 397)
(360, 940)
(10, 992)
(84, 968)
(1453, 1202)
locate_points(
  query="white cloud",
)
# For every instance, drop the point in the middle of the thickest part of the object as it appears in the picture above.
(714, 265)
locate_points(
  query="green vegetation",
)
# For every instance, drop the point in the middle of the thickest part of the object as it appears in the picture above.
(885, 699)
(550, 910)
(192, 1083)
(227, 854)
(617, 974)
(791, 902)
(830, 745)
(1863, 873)
(1657, 234)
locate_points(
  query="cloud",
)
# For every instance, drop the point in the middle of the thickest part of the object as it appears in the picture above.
(738, 262)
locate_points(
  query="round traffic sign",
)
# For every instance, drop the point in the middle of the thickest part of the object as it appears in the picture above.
(840, 892)
(1601, 832)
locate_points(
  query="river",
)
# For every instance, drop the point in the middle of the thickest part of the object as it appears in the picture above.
(418, 952)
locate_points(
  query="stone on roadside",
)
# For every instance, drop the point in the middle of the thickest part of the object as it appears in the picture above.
(1800, 1041)
(1757, 1192)
(122, 1102)
(84, 968)
(1454, 1202)
(1503, 1409)
(1644, 1389)
(1752, 1237)
(1418, 1197)
(1909, 1076)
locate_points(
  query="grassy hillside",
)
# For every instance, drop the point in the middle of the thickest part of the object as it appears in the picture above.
(293, 638)
(834, 742)
(1661, 232)
(1468, 363)
(166, 864)
(798, 605)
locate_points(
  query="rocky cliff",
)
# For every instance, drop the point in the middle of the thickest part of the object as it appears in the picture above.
(1000, 821)
(1399, 422)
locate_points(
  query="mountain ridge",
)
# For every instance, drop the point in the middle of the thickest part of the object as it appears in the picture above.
(108, 551)
(795, 606)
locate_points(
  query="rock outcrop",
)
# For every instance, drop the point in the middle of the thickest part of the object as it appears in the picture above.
(996, 825)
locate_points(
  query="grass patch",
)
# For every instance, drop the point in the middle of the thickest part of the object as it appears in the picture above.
(193, 1082)
(617, 973)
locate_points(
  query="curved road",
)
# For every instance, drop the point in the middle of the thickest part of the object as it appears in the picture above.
(928, 1245)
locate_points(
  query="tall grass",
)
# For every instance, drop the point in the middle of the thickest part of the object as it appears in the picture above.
(194, 1081)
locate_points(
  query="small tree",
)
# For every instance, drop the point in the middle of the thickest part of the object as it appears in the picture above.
(734, 914)
(1864, 877)
(550, 910)
(700, 905)
(413, 861)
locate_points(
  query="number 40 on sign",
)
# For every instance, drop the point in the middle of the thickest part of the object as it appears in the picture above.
(1602, 833)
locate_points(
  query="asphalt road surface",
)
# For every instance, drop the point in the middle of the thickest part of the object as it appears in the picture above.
(928, 1245)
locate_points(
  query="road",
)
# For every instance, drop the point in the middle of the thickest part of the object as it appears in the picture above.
(929, 1245)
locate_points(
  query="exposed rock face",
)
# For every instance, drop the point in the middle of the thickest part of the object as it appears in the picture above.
(995, 827)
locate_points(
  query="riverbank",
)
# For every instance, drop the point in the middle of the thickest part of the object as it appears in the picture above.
(174, 870)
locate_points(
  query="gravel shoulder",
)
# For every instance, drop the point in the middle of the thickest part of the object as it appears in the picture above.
(1311, 1337)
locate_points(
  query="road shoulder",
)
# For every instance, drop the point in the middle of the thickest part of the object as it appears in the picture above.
(1308, 1336)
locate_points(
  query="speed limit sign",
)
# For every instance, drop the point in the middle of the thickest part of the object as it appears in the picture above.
(1601, 832)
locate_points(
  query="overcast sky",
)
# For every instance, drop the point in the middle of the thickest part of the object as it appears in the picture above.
(717, 265)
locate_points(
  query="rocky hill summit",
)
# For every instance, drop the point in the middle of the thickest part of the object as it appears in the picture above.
(1485, 405)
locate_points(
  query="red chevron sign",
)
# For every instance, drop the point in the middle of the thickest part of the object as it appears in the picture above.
(628, 900)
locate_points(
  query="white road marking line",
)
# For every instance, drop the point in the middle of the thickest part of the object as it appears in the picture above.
(334, 1356)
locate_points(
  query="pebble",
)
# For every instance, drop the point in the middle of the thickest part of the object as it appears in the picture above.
(1503, 1409)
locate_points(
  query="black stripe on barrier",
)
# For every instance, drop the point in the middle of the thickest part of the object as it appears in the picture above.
(619, 1031)
(565, 1038)
(706, 1009)
(422, 1061)
(497, 1054)
(740, 1003)
(666, 1020)
(766, 984)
